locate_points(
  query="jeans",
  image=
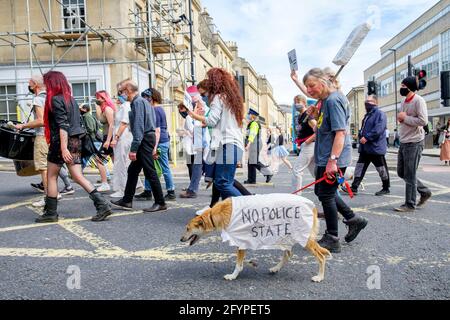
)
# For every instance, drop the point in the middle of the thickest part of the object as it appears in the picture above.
(196, 170)
(331, 202)
(408, 161)
(164, 161)
(227, 159)
(379, 161)
(144, 161)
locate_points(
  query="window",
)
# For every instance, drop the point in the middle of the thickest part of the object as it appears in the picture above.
(445, 51)
(81, 93)
(72, 11)
(8, 102)
(138, 20)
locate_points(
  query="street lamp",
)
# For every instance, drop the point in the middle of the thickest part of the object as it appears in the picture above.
(395, 85)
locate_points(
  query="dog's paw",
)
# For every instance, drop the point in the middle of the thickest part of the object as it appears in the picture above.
(317, 279)
(274, 270)
(230, 277)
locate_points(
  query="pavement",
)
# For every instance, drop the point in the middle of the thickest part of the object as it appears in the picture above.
(138, 256)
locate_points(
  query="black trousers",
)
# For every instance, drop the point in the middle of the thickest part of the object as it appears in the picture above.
(216, 192)
(332, 202)
(144, 161)
(252, 171)
(379, 161)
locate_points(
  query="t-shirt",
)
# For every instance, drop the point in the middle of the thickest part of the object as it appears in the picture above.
(304, 129)
(334, 116)
(122, 116)
(161, 122)
(39, 101)
(278, 221)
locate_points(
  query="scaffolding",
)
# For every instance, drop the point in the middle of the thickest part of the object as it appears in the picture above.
(153, 31)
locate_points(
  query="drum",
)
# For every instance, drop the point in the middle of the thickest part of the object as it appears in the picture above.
(16, 145)
(25, 168)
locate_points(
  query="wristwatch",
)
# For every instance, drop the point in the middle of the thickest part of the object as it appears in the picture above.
(333, 157)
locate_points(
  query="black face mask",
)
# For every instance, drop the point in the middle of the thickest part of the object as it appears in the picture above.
(184, 114)
(98, 102)
(31, 90)
(370, 106)
(404, 92)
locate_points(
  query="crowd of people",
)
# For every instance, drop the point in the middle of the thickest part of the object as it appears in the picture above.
(131, 130)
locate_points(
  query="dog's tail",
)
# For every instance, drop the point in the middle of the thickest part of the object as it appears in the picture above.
(313, 237)
(318, 250)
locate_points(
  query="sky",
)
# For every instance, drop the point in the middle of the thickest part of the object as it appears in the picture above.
(266, 30)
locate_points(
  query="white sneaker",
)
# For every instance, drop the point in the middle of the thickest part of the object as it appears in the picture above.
(39, 204)
(117, 194)
(104, 187)
(202, 211)
(59, 197)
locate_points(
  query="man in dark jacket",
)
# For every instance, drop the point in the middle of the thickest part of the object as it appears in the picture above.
(373, 146)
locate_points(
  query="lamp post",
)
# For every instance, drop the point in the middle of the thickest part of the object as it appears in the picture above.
(395, 86)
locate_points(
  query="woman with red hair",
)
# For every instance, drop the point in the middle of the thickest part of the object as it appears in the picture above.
(105, 113)
(64, 132)
(226, 117)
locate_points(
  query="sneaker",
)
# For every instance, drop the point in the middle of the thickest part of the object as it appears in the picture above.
(46, 218)
(144, 196)
(383, 192)
(188, 195)
(202, 211)
(248, 182)
(59, 196)
(156, 208)
(330, 242)
(344, 189)
(120, 204)
(404, 208)
(39, 204)
(170, 196)
(117, 194)
(99, 182)
(67, 190)
(423, 200)
(268, 179)
(355, 225)
(104, 187)
(38, 187)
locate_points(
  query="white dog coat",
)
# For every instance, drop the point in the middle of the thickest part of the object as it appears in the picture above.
(271, 221)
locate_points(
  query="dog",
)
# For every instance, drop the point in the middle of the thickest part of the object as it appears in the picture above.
(349, 176)
(218, 219)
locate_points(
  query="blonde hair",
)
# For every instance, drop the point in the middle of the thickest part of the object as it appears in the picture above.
(320, 75)
(301, 98)
(38, 79)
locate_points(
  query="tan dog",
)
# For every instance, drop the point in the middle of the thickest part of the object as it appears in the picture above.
(218, 218)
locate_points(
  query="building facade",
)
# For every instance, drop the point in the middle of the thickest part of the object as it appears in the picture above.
(356, 98)
(427, 41)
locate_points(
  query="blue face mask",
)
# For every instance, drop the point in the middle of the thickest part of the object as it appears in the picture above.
(123, 98)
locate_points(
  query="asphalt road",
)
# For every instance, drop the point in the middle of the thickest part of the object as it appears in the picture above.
(139, 256)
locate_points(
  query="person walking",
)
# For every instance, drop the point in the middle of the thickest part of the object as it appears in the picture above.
(142, 151)
(121, 143)
(412, 118)
(332, 153)
(253, 146)
(372, 147)
(63, 133)
(154, 98)
(445, 145)
(226, 118)
(279, 152)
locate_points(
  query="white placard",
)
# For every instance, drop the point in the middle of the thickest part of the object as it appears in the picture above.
(352, 44)
(292, 55)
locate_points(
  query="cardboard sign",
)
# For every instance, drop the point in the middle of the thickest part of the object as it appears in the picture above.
(292, 55)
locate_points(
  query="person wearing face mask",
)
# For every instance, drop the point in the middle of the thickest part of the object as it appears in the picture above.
(332, 153)
(412, 118)
(121, 143)
(372, 147)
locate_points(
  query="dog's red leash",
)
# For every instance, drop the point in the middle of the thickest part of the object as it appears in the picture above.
(339, 178)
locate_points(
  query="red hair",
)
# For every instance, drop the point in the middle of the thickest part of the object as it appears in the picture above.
(56, 84)
(222, 83)
(108, 102)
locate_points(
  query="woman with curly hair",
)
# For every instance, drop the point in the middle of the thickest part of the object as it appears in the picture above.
(64, 132)
(226, 118)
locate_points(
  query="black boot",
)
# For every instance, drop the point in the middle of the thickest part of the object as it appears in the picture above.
(355, 225)
(50, 211)
(102, 206)
(170, 196)
(144, 196)
(330, 242)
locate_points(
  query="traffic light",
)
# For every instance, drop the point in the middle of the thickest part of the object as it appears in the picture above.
(421, 75)
(371, 87)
